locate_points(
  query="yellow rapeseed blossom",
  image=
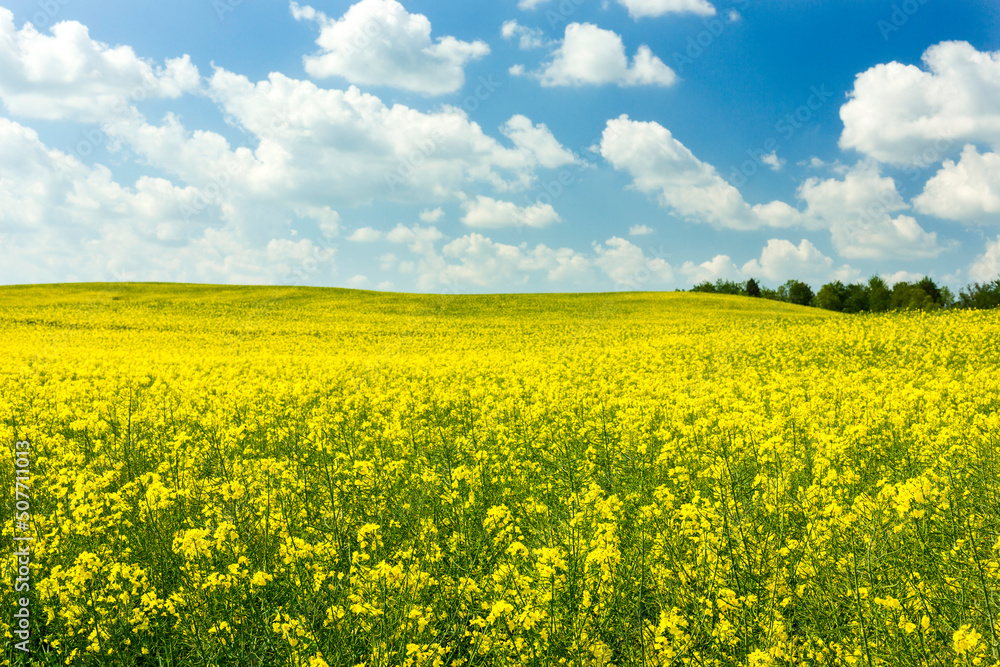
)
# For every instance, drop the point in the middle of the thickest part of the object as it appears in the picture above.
(332, 477)
(965, 639)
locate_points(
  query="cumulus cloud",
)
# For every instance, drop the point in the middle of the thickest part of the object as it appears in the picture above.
(68, 75)
(640, 230)
(487, 212)
(317, 146)
(720, 267)
(628, 266)
(986, 267)
(377, 42)
(527, 38)
(475, 260)
(430, 216)
(538, 141)
(862, 212)
(403, 234)
(47, 192)
(647, 8)
(782, 260)
(773, 161)
(358, 281)
(901, 276)
(661, 165)
(589, 55)
(905, 115)
(365, 235)
(966, 191)
(77, 222)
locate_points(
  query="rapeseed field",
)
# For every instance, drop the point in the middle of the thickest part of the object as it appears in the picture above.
(310, 477)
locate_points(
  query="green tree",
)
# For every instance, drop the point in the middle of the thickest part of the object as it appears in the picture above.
(797, 292)
(728, 287)
(879, 295)
(855, 299)
(947, 298)
(831, 296)
(705, 287)
(768, 293)
(753, 289)
(911, 296)
(980, 296)
(931, 289)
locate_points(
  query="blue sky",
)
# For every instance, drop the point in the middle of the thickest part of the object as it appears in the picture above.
(521, 145)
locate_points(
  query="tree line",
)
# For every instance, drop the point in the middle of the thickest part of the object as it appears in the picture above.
(875, 296)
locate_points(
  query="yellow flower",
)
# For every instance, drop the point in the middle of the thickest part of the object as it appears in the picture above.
(261, 578)
(965, 639)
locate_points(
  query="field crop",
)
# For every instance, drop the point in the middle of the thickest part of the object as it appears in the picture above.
(290, 476)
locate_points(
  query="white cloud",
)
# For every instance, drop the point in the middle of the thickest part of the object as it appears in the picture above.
(627, 265)
(782, 260)
(589, 55)
(67, 75)
(968, 191)
(859, 211)
(538, 141)
(640, 230)
(328, 220)
(529, 4)
(772, 160)
(365, 235)
(317, 146)
(475, 260)
(486, 212)
(54, 195)
(388, 261)
(377, 42)
(430, 216)
(660, 164)
(646, 8)
(847, 274)
(906, 115)
(901, 276)
(358, 281)
(986, 267)
(720, 267)
(77, 223)
(516, 70)
(416, 236)
(527, 38)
